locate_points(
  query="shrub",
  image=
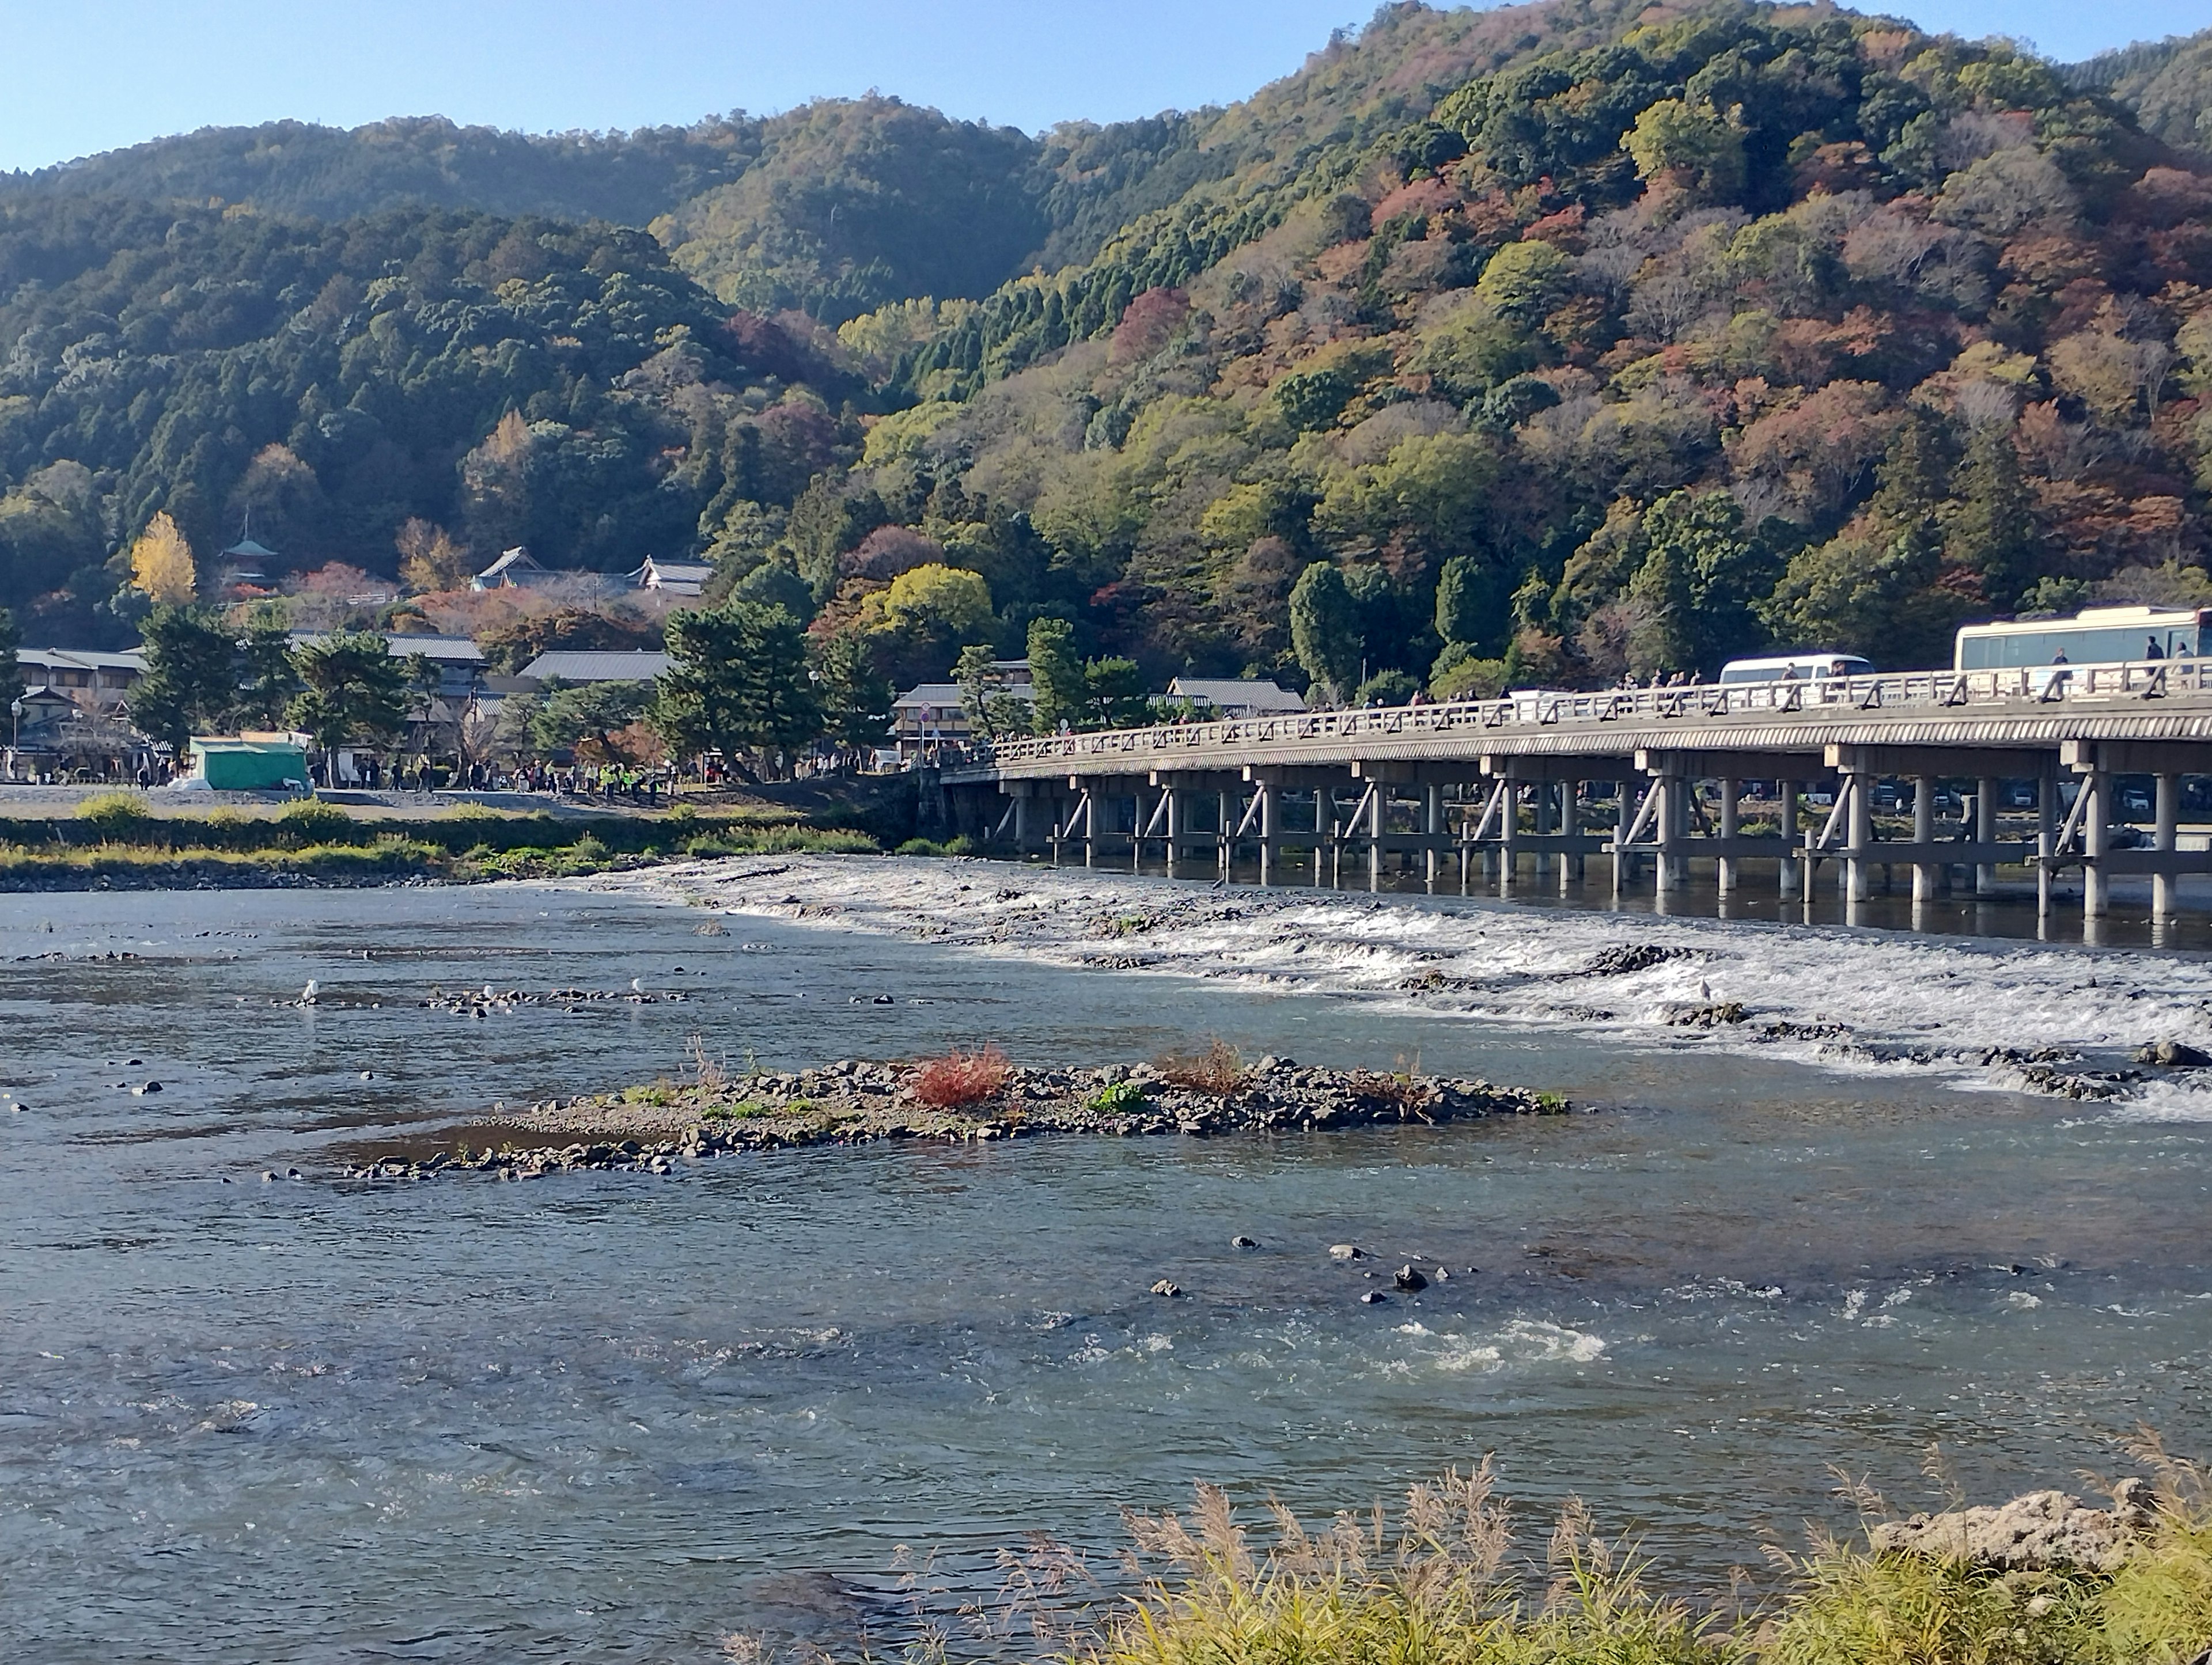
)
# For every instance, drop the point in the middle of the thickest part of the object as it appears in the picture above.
(114, 813)
(311, 821)
(958, 1080)
(1220, 1069)
(1121, 1098)
(1851, 1606)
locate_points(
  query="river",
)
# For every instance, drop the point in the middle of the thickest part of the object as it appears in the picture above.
(612, 1417)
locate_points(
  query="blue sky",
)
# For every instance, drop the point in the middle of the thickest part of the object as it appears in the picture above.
(86, 76)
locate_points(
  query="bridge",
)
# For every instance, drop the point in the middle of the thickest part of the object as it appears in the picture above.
(1526, 789)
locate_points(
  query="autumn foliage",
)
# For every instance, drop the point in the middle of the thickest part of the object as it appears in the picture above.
(959, 1080)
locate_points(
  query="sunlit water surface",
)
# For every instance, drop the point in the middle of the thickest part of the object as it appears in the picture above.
(614, 1417)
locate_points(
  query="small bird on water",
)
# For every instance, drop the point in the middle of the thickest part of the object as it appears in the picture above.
(311, 993)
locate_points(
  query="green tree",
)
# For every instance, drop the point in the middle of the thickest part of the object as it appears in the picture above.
(1308, 399)
(1700, 579)
(265, 678)
(1113, 694)
(352, 690)
(857, 698)
(1861, 591)
(1056, 673)
(738, 685)
(588, 716)
(1469, 608)
(1325, 629)
(191, 678)
(1989, 530)
(11, 671)
(991, 710)
(1689, 148)
(1524, 280)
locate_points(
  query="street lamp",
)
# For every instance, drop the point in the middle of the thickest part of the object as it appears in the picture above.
(15, 732)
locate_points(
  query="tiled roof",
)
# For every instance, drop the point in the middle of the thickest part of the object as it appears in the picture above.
(580, 667)
(1249, 694)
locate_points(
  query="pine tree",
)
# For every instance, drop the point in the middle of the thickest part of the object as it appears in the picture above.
(738, 683)
(189, 679)
(856, 697)
(353, 689)
(1325, 632)
(1989, 530)
(1056, 673)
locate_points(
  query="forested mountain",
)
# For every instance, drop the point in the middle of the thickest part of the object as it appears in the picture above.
(1554, 341)
(2167, 83)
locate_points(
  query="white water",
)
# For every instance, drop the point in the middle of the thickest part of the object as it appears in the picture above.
(1943, 1003)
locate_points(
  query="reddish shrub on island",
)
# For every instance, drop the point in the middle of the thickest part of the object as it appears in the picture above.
(961, 1078)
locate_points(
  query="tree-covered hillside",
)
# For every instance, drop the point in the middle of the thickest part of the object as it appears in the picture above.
(2167, 83)
(1554, 341)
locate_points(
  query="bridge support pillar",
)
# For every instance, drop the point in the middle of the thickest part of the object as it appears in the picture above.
(1859, 837)
(1570, 866)
(1171, 819)
(1225, 814)
(1324, 829)
(1673, 803)
(2095, 887)
(1787, 874)
(1264, 814)
(1509, 841)
(1724, 870)
(1432, 828)
(1378, 806)
(2046, 838)
(2164, 885)
(1924, 873)
(1543, 791)
(1985, 829)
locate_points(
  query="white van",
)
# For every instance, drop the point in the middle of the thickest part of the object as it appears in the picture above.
(1795, 667)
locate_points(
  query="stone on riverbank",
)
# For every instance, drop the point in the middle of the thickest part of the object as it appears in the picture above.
(2040, 1532)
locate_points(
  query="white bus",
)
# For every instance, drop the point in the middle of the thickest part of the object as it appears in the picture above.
(2098, 635)
(1795, 667)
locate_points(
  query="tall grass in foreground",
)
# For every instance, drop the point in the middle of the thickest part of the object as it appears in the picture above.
(1440, 1585)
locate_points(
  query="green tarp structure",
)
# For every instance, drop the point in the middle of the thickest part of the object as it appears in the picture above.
(228, 764)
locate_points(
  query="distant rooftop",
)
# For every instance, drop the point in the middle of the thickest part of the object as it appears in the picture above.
(597, 666)
(1237, 693)
(447, 650)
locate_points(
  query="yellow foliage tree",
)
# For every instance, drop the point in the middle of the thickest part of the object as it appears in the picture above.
(162, 562)
(932, 594)
(429, 559)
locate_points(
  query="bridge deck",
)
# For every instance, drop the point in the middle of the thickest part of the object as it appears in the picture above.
(2019, 710)
(1529, 751)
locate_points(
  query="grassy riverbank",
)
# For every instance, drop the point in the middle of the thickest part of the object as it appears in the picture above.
(1441, 1584)
(115, 842)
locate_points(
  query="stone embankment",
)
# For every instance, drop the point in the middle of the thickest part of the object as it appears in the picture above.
(651, 1129)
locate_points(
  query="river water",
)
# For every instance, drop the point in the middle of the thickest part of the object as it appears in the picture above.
(612, 1417)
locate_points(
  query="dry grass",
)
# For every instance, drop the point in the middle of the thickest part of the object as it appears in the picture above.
(1220, 1069)
(708, 1072)
(1431, 1587)
(1438, 1584)
(959, 1080)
